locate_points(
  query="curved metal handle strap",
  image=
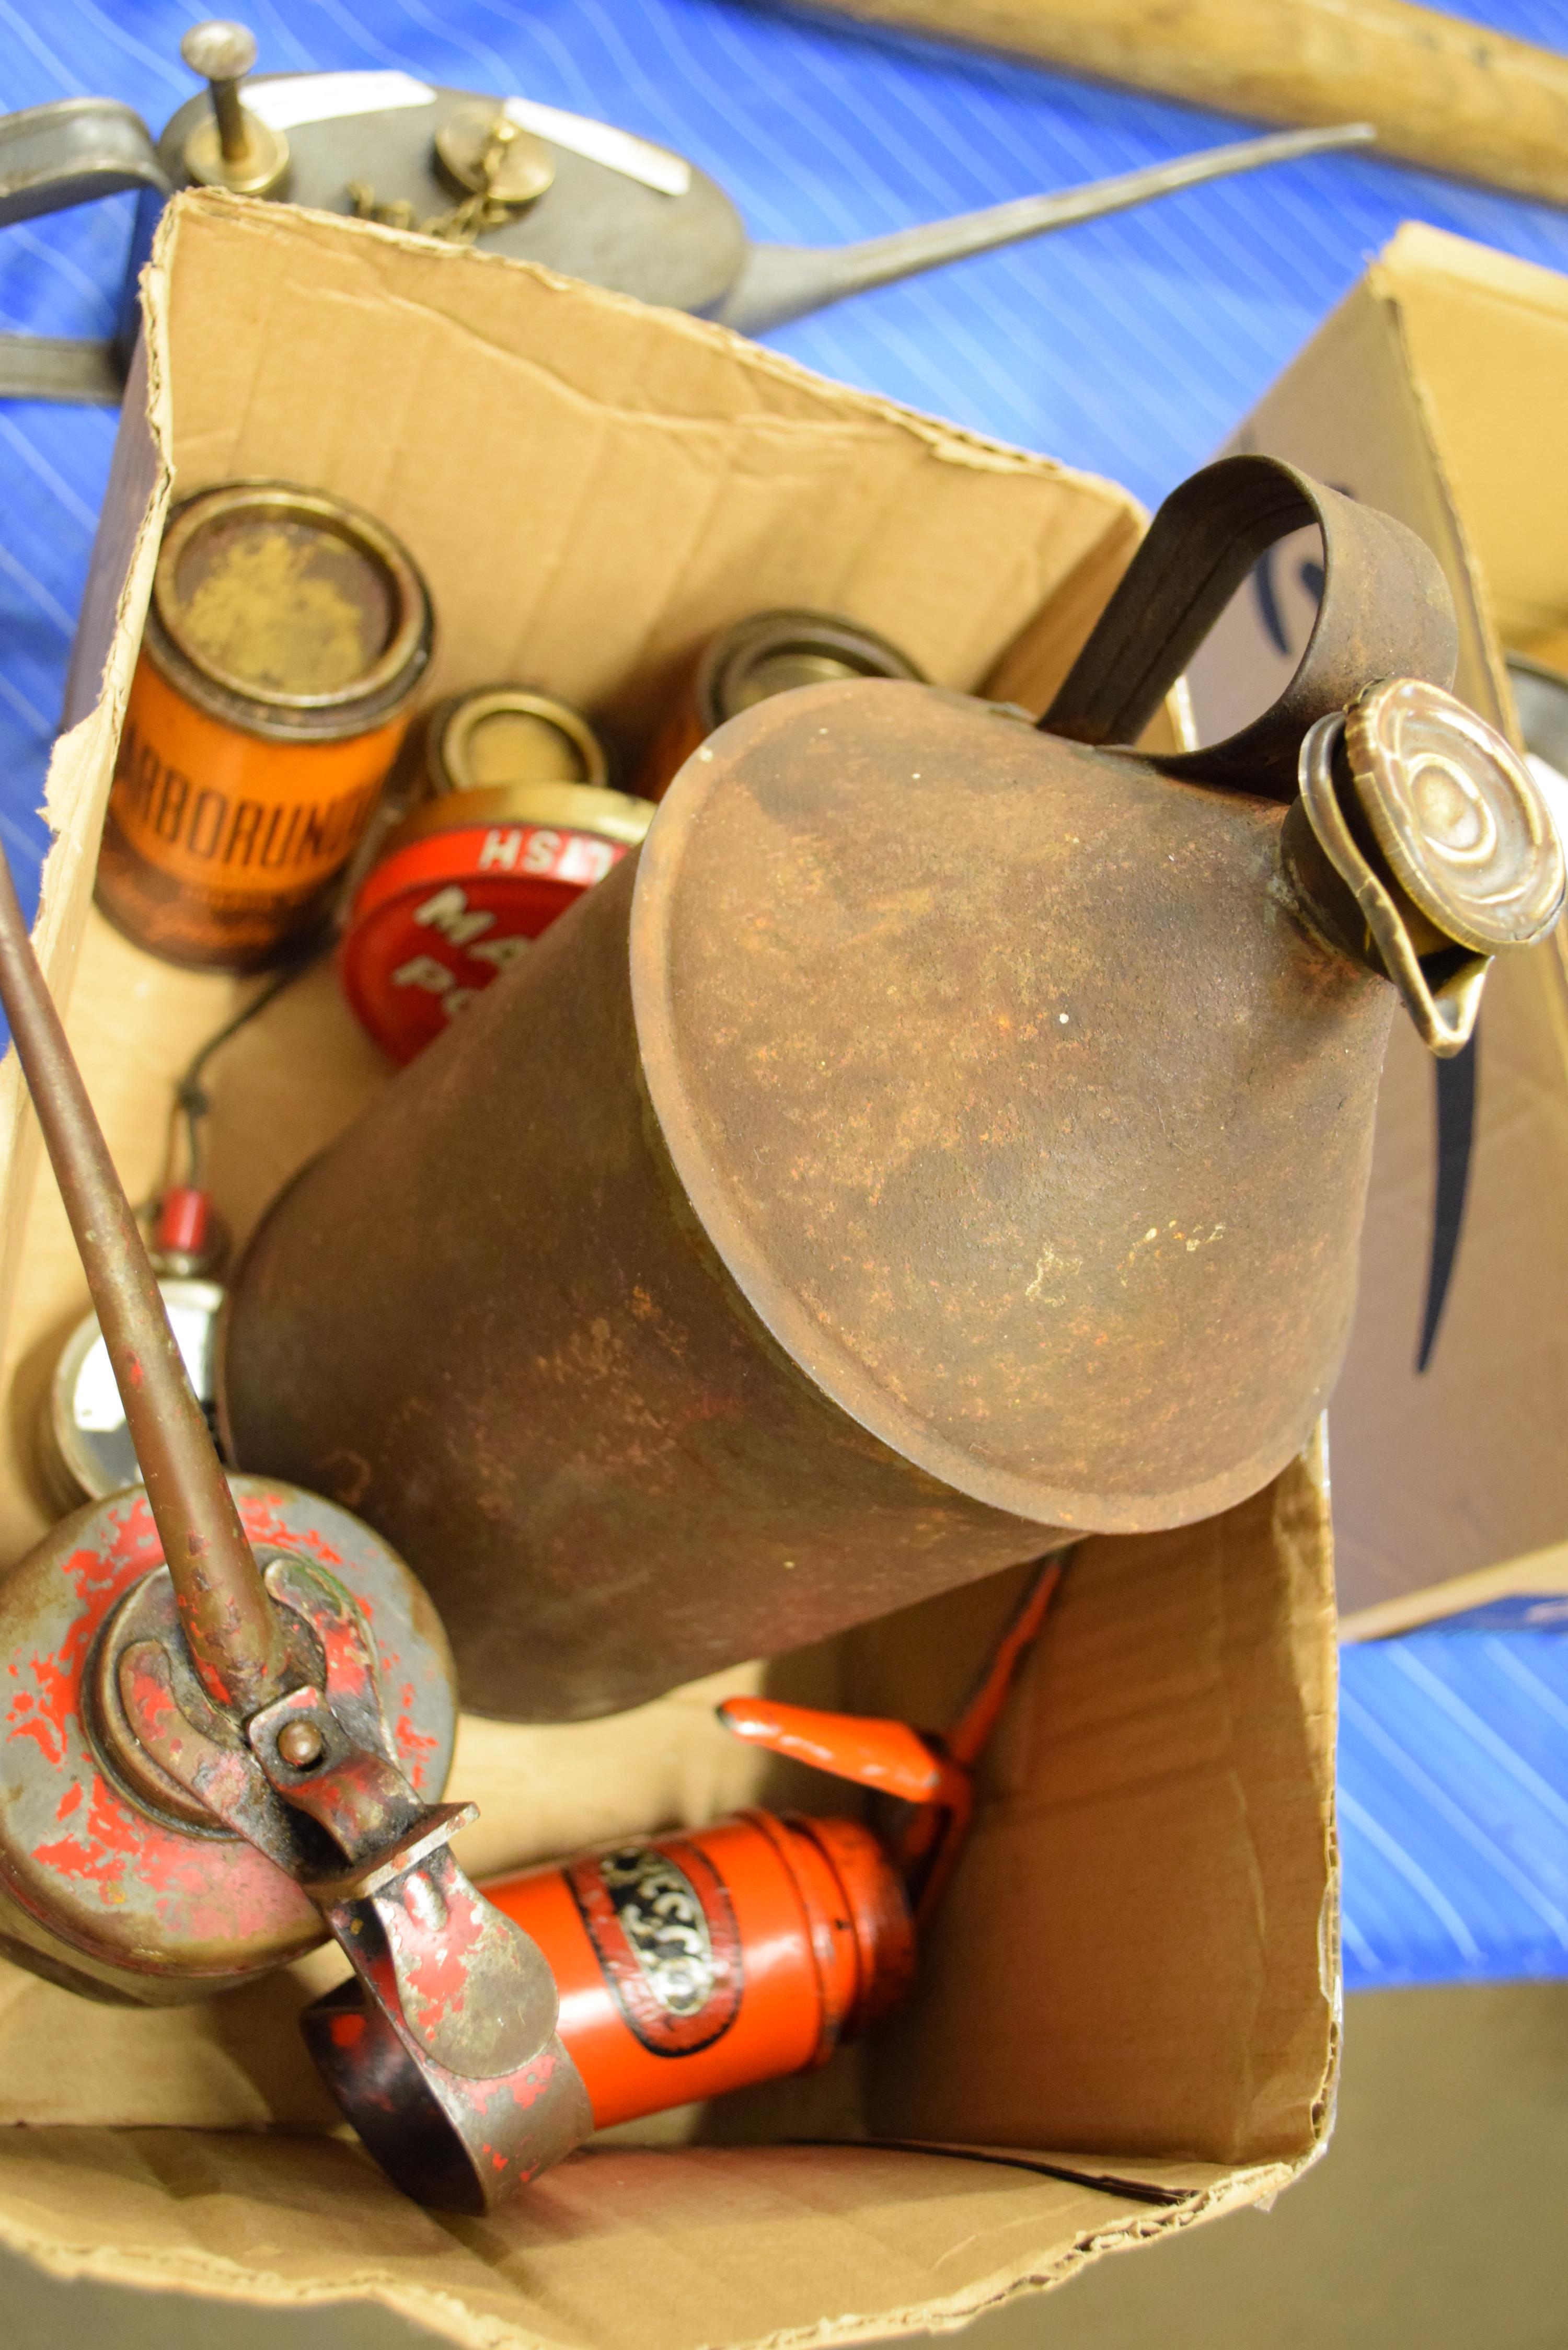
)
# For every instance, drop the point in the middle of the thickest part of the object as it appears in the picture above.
(1385, 611)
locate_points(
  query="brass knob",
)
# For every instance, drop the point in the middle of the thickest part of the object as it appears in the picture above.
(231, 147)
(1422, 845)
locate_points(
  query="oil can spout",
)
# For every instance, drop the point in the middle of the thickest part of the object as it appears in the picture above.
(1421, 846)
(782, 282)
(231, 1626)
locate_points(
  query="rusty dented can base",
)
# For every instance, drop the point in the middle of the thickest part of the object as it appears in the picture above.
(941, 1143)
(286, 638)
(607, 1475)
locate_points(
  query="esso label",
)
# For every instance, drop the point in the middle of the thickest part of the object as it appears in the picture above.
(436, 921)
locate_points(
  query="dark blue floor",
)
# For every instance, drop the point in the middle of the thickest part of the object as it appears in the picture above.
(1131, 348)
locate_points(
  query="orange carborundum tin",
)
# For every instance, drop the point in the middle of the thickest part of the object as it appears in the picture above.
(286, 636)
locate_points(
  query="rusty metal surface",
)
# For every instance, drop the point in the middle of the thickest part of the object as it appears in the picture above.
(606, 1475)
(105, 1890)
(1026, 1116)
(990, 1155)
(312, 1784)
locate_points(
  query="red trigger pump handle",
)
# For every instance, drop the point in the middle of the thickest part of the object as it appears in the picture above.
(933, 1773)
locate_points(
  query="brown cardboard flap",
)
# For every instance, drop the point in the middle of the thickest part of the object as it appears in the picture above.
(548, 458)
(616, 2249)
(1488, 343)
(1145, 1879)
(1437, 391)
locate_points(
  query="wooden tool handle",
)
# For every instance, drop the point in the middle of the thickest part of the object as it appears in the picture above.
(1450, 96)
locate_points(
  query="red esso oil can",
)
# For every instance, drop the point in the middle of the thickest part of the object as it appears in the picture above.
(688, 1965)
(518, 821)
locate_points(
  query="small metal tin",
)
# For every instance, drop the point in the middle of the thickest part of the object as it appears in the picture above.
(519, 823)
(503, 736)
(85, 1449)
(286, 636)
(770, 652)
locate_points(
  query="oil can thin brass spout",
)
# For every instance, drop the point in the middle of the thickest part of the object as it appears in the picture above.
(231, 1626)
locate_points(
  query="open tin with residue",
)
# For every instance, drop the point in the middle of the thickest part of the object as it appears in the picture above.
(288, 635)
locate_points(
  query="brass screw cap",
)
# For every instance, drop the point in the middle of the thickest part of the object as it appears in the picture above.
(1463, 822)
(231, 147)
(1420, 847)
(482, 151)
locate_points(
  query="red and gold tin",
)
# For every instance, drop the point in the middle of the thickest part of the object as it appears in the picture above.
(768, 653)
(286, 638)
(519, 823)
(690, 1965)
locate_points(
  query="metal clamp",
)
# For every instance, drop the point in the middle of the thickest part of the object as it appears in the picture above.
(443, 2049)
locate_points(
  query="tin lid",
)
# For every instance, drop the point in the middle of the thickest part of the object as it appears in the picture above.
(773, 652)
(506, 735)
(575, 807)
(445, 912)
(290, 604)
(1462, 821)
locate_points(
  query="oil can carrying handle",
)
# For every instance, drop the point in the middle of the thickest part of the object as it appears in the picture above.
(1384, 611)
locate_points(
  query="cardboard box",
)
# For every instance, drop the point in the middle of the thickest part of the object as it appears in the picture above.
(1127, 2014)
(1437, 391)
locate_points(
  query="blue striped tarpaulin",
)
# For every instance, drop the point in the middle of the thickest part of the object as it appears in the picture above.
(1130, 347)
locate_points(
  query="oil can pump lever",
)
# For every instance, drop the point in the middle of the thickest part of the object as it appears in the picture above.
(932, 1772)
(254, 1704)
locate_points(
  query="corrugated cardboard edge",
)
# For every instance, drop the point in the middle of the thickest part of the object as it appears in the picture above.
(1420, 255)
(81, 766)
(1417, 252)
(209, 2275)
(953, 443)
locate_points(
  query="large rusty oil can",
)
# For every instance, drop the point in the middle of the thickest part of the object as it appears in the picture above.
(944, 1137)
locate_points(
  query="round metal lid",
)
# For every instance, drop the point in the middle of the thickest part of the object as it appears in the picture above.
(1462, 821)
(288, 596)
(503, 736)
(775, 653)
